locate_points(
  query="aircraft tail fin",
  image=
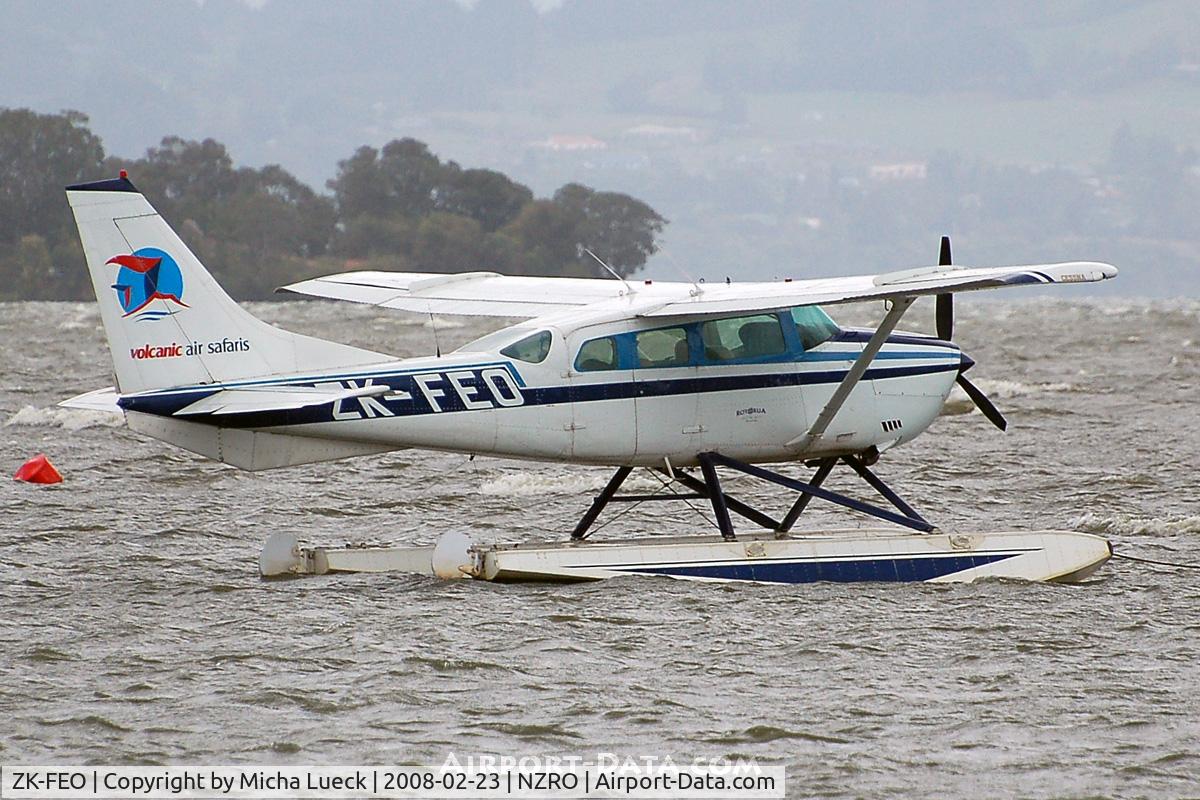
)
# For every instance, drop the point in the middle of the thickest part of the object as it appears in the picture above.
(168, 322)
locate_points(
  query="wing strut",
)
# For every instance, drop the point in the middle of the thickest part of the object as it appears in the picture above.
(859, 368)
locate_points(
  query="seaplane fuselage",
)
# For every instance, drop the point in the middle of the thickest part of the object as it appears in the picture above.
(603, 387)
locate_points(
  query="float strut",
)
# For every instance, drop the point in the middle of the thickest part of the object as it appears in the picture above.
(720, 510)
(600, 502)
(865, 473)
(732, 503)
(916, 523)
(826, 467)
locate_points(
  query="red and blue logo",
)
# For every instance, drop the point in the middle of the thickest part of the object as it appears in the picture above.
(146, 275)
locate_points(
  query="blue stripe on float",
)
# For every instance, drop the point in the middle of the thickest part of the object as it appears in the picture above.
(848, 571)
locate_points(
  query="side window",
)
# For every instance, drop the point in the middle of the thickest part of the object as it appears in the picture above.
(667, 347)
(533, 349)
(739, 338)
(813, 326)
(597, 354)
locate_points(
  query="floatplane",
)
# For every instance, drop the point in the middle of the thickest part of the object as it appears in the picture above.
(686, 380)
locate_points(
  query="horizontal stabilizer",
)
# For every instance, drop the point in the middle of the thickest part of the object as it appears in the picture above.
(97, 400)
(275, 398)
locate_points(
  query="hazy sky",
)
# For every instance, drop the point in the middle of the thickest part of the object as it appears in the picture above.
(721, 114)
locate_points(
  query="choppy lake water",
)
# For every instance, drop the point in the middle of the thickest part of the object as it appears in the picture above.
(134, 627)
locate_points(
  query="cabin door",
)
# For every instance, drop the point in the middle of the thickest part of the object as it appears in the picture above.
(603, 413)
(667, 395)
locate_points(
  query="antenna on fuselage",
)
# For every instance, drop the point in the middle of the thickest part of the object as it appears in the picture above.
(437, 345)
(611, 271)
(696, 288)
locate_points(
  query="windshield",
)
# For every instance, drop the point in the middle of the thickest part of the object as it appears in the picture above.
(813, 326)
(532, 349)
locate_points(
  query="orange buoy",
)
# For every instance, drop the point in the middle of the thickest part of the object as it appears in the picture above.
(38, 470)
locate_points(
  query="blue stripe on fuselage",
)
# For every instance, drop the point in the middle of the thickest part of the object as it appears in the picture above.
(449, 401)
(856, 335)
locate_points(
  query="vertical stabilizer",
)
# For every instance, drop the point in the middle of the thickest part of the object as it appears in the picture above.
(167, 320)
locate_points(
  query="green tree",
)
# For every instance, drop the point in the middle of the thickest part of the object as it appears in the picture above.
(448, 243)
(490, 198)
(39, 155)
(368, 236)
(618, 228)
(402, 179)
(545, 232)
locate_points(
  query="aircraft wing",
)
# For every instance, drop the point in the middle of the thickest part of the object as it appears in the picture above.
(728, 298)
(492, 294)
(469, 293)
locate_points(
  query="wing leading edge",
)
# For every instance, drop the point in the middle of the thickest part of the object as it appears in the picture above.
(726, 299)
(468, 293)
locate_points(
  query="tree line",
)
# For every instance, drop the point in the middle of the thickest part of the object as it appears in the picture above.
(398, 207)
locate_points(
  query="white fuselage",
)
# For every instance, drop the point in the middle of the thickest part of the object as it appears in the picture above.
(479, 400)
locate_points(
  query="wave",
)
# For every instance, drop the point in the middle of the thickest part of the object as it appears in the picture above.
(528, 482)
(1129, 524)
(959, 403)
(71, 419)
(84, 316)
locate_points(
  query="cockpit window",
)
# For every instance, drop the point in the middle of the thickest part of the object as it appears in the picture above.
(597, 354)
(739, 338)
(533, 349)
(813, 326)
(665, 347)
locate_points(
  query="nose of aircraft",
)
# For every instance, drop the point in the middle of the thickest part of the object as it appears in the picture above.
(967, 362)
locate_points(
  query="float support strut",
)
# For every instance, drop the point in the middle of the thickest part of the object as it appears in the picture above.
(865, 473)
(826, 467)
(732, 503)
(600, 502)
(717, 496)
(710, 459)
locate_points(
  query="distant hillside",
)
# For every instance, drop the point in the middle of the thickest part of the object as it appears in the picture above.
(762, 130)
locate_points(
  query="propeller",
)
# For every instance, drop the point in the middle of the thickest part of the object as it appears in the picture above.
(945, 330)
(945, 302)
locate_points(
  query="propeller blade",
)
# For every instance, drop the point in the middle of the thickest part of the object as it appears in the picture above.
(981, 400)
(945, 302)
(945, 317)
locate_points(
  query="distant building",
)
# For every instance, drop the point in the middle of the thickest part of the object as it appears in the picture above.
(908, 171)
(665, 132)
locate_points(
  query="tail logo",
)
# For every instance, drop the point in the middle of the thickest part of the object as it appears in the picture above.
(146, 275)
